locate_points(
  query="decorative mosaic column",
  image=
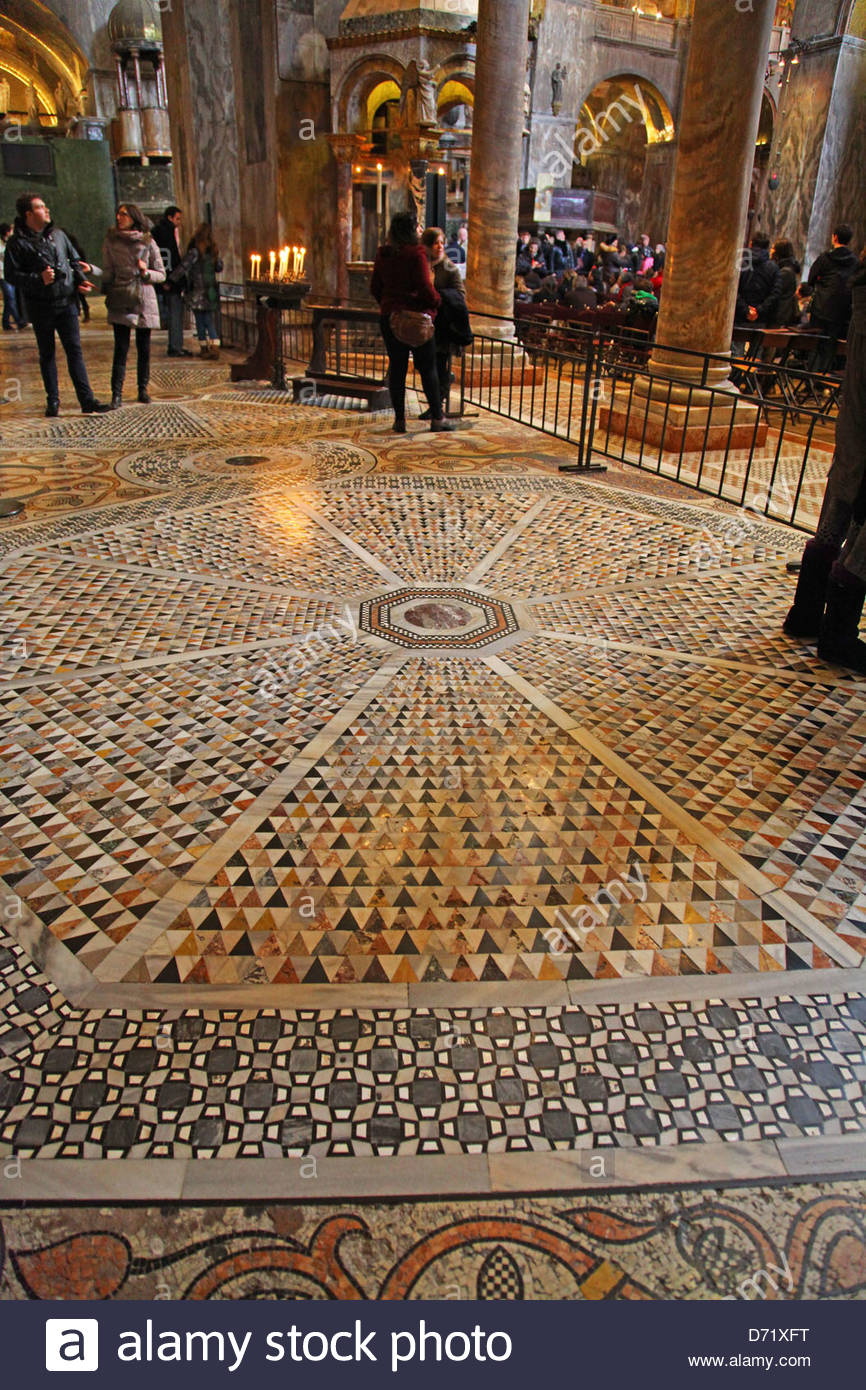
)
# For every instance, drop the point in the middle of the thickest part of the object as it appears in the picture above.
(497, 148)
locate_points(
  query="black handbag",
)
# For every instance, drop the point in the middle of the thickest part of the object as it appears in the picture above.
(124, 297)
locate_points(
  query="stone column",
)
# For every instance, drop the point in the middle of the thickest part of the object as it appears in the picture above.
(345, 148)
(716, 149)
(497, 148)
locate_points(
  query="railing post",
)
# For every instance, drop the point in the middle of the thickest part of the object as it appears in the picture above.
(587, 412)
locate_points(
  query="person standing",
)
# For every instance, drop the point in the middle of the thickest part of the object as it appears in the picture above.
(447, 281)
(402, 281)
(201, 267)
(47, 271)
(831, 586)
(11, 317)
(131, 266)
(166, 234)
(830, 282)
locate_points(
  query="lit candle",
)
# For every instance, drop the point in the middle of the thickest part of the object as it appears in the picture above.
(303, 252)
(380, 205)
(284, 263)
(296, 261)
(257, 267)
(252, 267)
(273, 264)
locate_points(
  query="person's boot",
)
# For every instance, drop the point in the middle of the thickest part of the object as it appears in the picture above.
(143, 376)
(52, 408)
(204, 350)
(214, 352)
(804, 618)
(838, 640)
(118, 376)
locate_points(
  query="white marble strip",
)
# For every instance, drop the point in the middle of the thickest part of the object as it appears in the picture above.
(294, 1178)
(148, 663)
(125, 954)
(499, 549)
(786, 673)
(661, 581)
(369, 559)
(758, 882)
(636, 990)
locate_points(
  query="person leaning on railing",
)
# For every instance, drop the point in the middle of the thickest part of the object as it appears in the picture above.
(832, 584)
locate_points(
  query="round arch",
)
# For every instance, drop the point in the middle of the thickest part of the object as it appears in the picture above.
(620, 100)
(36, 47)
(353, 102)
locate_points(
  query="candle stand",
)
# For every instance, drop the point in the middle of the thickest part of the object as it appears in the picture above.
(267, 362)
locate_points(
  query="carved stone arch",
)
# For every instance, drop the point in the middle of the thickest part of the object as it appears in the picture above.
(649, 87)
(35, 46)
(350, 106)
(455, 80)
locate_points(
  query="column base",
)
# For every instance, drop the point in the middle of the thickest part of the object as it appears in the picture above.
(679, 420)
(502, 362)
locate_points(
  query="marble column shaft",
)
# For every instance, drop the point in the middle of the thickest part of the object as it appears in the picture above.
(497, 148)
(344, 226)
(716, 149)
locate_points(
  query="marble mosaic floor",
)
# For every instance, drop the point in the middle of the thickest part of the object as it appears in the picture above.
(401, 804)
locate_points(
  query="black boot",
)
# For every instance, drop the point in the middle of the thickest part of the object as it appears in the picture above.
(838, 640)
(118, 376)
(804, 619)
(143, 350)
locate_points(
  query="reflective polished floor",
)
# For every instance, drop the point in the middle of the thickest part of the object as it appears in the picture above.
(398, 806)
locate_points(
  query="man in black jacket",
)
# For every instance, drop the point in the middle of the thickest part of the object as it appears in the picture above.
(830, 283)
(43, 264)
(760, 284)
(166, 234)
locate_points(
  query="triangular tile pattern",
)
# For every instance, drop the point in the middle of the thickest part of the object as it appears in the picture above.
(264, 540)
(730, 615)
(113, 787)
(76, 614)
(553, 555)
(426, 534)
(776, 766)
(440, 838)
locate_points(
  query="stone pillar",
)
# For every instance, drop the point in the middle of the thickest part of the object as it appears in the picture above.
(716, 150)
(497, 148)
(345, 148)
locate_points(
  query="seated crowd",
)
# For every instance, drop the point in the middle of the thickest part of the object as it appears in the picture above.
(575, 272)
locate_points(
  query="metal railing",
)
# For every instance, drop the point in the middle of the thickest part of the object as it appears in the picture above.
(765, 442)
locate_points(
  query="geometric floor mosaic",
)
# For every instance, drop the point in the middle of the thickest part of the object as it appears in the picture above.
(383, 798)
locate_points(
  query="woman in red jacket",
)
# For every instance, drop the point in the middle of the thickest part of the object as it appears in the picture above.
(402, 280)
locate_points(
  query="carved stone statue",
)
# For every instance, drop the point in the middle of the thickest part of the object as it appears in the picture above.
(557, 80)
(418, 98)
(5, 96)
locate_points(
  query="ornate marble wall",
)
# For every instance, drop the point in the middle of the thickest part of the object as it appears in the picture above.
(200, 72)
(819, 149)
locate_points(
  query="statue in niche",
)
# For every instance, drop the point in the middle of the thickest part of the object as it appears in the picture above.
(418, 97)
(5, 96)
(557, 81)
(33, 109)
(67, 106)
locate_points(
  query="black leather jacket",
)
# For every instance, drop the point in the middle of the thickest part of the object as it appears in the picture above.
(29, 253)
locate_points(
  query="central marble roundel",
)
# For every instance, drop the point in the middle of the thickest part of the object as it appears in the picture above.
(438, 617)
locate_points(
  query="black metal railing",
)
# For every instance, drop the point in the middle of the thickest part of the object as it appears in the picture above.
(762, 440)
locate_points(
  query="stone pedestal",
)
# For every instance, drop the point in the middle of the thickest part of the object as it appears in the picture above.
(497, 146)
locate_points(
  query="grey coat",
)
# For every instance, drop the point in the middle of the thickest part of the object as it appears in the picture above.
(120, 255)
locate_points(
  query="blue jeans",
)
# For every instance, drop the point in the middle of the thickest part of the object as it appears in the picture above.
(205, 324)
(10, 305)
(64, 321)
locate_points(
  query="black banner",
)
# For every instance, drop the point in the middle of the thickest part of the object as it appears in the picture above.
(272, 1343)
